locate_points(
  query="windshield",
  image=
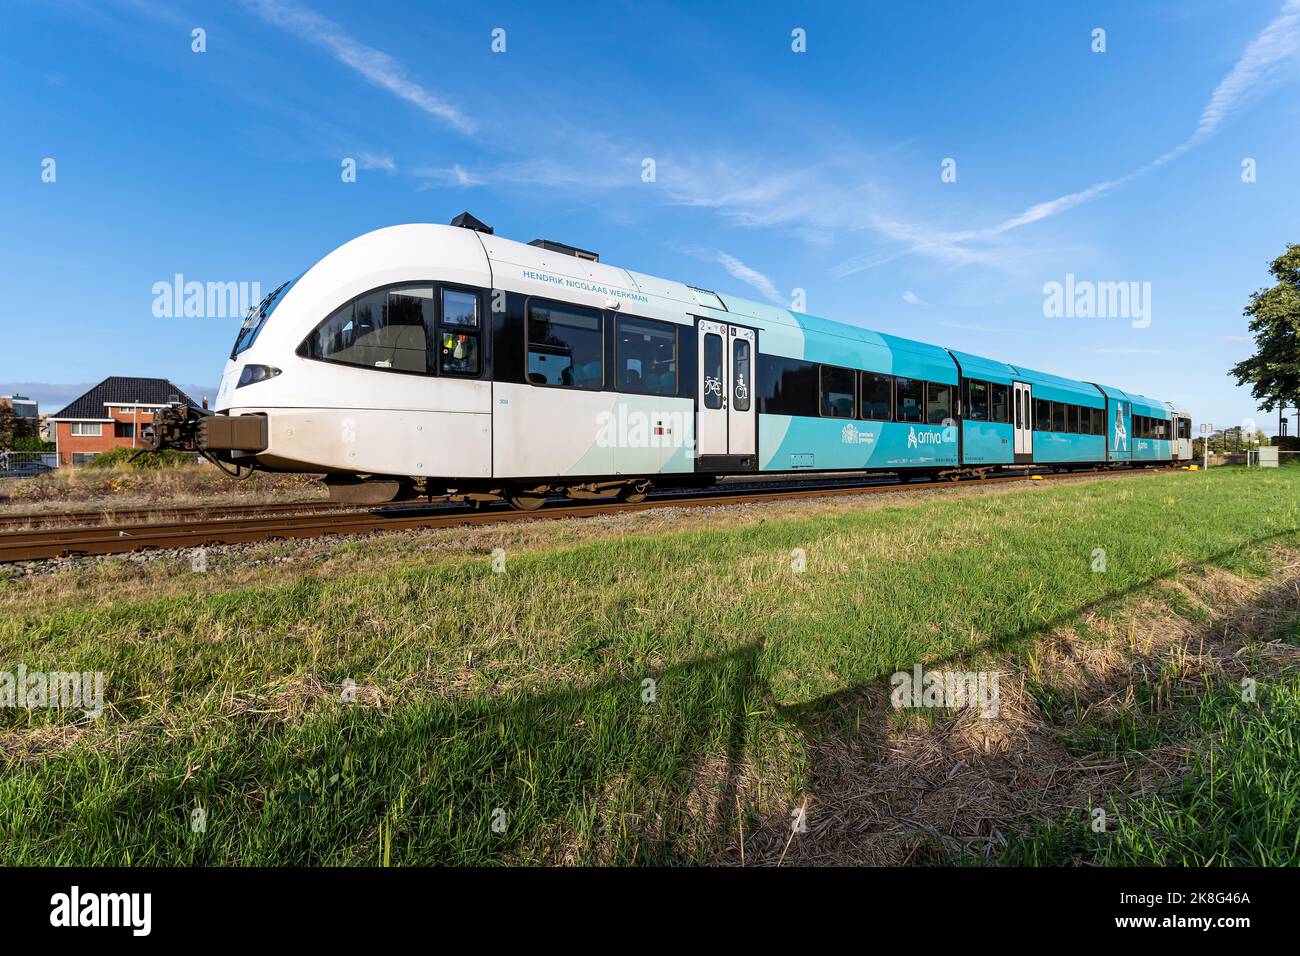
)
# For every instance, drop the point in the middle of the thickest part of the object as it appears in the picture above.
(257, 317)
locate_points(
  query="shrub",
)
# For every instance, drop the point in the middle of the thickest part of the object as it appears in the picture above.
(32, 443)
(122, 457)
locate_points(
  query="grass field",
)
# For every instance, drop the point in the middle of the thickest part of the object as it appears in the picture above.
(683, 688)
(121, 486)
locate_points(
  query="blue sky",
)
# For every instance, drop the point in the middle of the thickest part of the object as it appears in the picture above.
(775, 170)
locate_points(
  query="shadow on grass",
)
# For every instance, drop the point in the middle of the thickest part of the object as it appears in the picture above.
(623, 771)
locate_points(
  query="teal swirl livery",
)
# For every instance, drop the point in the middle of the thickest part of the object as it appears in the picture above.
(426, 360)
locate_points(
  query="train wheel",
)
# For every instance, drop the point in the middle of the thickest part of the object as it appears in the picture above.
(522, 501)
(634, 493)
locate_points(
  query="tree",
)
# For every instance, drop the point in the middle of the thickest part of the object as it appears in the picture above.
(8, 425)
(1273, 372)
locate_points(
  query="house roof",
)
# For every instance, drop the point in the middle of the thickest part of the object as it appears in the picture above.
(123, 390)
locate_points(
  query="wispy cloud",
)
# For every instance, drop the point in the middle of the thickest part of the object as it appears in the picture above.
(911, 298)
(453, 175)
(376, 66)
(752, 277)
(1263, 64)
(375, 161)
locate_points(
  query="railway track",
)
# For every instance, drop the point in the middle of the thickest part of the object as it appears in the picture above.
(179, 529)
(104, 516)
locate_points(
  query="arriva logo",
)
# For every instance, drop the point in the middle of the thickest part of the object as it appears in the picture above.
(915, 439)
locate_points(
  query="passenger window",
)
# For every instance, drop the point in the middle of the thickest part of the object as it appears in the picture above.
(999, 411)
(787, 386)
(977, 401)
(1058, 416)
(384, 329)
(712, 370)
(741, 380)
(1042, 415)
(565, 346)
(876, 396)
(909, 396)
(837, 392)
(938, 403)
(645, 356)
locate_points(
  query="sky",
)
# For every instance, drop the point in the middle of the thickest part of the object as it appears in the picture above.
(929, 170)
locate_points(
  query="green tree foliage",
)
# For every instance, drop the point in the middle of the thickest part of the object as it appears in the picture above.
(1273, 372)
(8, 426)
(32, 443)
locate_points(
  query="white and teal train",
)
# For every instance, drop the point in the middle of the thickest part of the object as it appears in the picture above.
(426, 359)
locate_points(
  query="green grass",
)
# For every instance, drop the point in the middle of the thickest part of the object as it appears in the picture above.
(1238, 804)
(523, 691)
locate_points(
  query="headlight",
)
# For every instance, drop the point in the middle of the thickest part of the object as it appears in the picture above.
(256, 373)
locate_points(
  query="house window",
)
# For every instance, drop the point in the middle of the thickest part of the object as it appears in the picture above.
(87, 429)
(125, 429)
(83, 457)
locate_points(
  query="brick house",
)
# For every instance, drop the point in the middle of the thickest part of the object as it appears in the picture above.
(111, 415)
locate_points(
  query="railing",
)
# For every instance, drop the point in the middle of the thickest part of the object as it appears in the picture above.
(1268, 457)
(27, 464)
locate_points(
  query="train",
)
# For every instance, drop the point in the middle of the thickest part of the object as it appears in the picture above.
(444, 360)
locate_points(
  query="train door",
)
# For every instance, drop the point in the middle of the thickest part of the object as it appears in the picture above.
(1119, 430)
(1023, 422)
(1182, 445)
(726, 431)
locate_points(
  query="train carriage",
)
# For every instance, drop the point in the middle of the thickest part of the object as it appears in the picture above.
(448, 360)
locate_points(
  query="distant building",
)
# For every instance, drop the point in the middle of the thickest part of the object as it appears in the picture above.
(111, 415)
(23, 408)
